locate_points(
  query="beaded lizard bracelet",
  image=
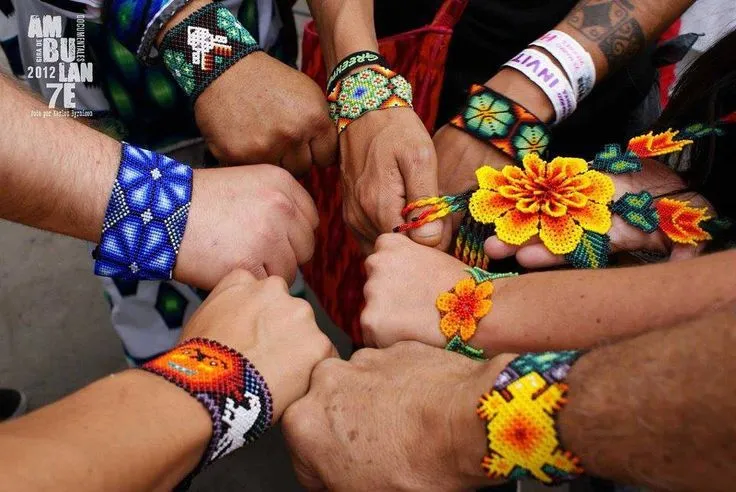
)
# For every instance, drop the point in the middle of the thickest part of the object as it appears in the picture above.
(521, 412)
(369, 89)
(353, 61)
(502, 123)
(146, 217)
(228, 386)
(203, 46)
(568, 203)
(462, 307)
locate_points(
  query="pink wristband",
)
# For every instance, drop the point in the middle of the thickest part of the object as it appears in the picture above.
(540, 69)
(575, 60)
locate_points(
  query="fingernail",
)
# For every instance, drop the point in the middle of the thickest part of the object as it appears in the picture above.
(429, 230)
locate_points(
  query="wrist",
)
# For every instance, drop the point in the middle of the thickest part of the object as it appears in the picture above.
(468, 432)
(181, 14)
(345, 27)
(523, 91)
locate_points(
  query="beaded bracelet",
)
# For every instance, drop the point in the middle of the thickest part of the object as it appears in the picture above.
(521, 411)
(350, 62)
(146, 217)
(567, 202)
(502, 123)
(228, 386)
(462, 307)
(370, 89)
(203, 46)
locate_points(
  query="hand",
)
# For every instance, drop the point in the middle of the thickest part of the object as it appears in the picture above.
(459, 155)
(275, 331)
(656, 178)
(257, 218)
(401, 418)
(404, 280)
(387, 160)
(261, 110)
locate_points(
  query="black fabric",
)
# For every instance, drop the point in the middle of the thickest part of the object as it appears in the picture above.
(492, 31)
(9, 402)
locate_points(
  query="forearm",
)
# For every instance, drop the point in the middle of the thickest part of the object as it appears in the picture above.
(345, 26)
(55, 173)
(611, 31)
(131, 431)
(581, 308)
(657, 411)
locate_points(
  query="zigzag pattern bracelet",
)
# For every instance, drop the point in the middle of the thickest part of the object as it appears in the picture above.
(462, 308)
(203, 46)
(567, 202)
(521, 413)
(502, 123)
(146, 217)
(370, 89)
(350, 62)
(228, 386)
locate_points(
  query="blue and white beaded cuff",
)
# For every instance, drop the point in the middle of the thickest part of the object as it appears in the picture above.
(145, 218)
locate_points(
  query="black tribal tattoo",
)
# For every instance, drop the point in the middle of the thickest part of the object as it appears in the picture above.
(612, 26)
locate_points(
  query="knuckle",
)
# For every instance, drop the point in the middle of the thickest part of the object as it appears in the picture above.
(326, 374)
(365, 356)
(275, 284)
(280, 203)
(387, 240)
(368, 325)
(298, 422)
(417, 156)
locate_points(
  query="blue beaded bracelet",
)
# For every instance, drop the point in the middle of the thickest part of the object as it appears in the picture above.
(146, 217)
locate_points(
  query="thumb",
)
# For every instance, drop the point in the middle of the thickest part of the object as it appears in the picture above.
(418, 167)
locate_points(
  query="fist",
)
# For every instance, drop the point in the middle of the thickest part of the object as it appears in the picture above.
(404, 280)
(257, 218)
(275, 331)
(262, 111)
(401, 418)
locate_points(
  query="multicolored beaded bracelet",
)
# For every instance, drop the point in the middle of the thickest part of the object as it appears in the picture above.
(369, 89)
(353, 61)
(568, 203)
(521, 413)
(228, 386)
(203, 46)
(498, 121)
(146, 217)
(462, 307)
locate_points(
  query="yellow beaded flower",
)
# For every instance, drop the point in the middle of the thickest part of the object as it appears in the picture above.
(556, 200)
(462, 307)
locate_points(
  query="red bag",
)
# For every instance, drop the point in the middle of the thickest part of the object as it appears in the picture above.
(336, 271)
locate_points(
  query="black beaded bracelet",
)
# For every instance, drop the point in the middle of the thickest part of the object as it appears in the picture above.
(355, 60)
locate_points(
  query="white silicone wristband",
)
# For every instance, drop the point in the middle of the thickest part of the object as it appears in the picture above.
(540, 69)
(575, 60)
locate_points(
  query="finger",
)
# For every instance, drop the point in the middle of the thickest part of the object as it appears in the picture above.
(324, 148)
(301, 237)
(282, 260)
(538, 256)
(235, 278)
(498, 250)
(419, 169)
(297, 160)
(685, 252)
(304, 203)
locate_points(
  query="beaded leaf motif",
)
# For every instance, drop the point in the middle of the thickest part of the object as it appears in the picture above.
(558, 201)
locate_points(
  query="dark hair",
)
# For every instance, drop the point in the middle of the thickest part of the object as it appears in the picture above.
(705, 93)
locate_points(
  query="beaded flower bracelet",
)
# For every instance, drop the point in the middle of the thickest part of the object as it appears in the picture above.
(567, 202)
(228, 386)
(146, 217)
(203, 46)
(462, 308)
(369, 89)
(351, 62)
(502, 123)
(521, 413)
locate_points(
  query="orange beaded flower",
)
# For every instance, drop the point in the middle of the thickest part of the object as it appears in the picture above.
(556, 200)
(462, 307)
(682, 223)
